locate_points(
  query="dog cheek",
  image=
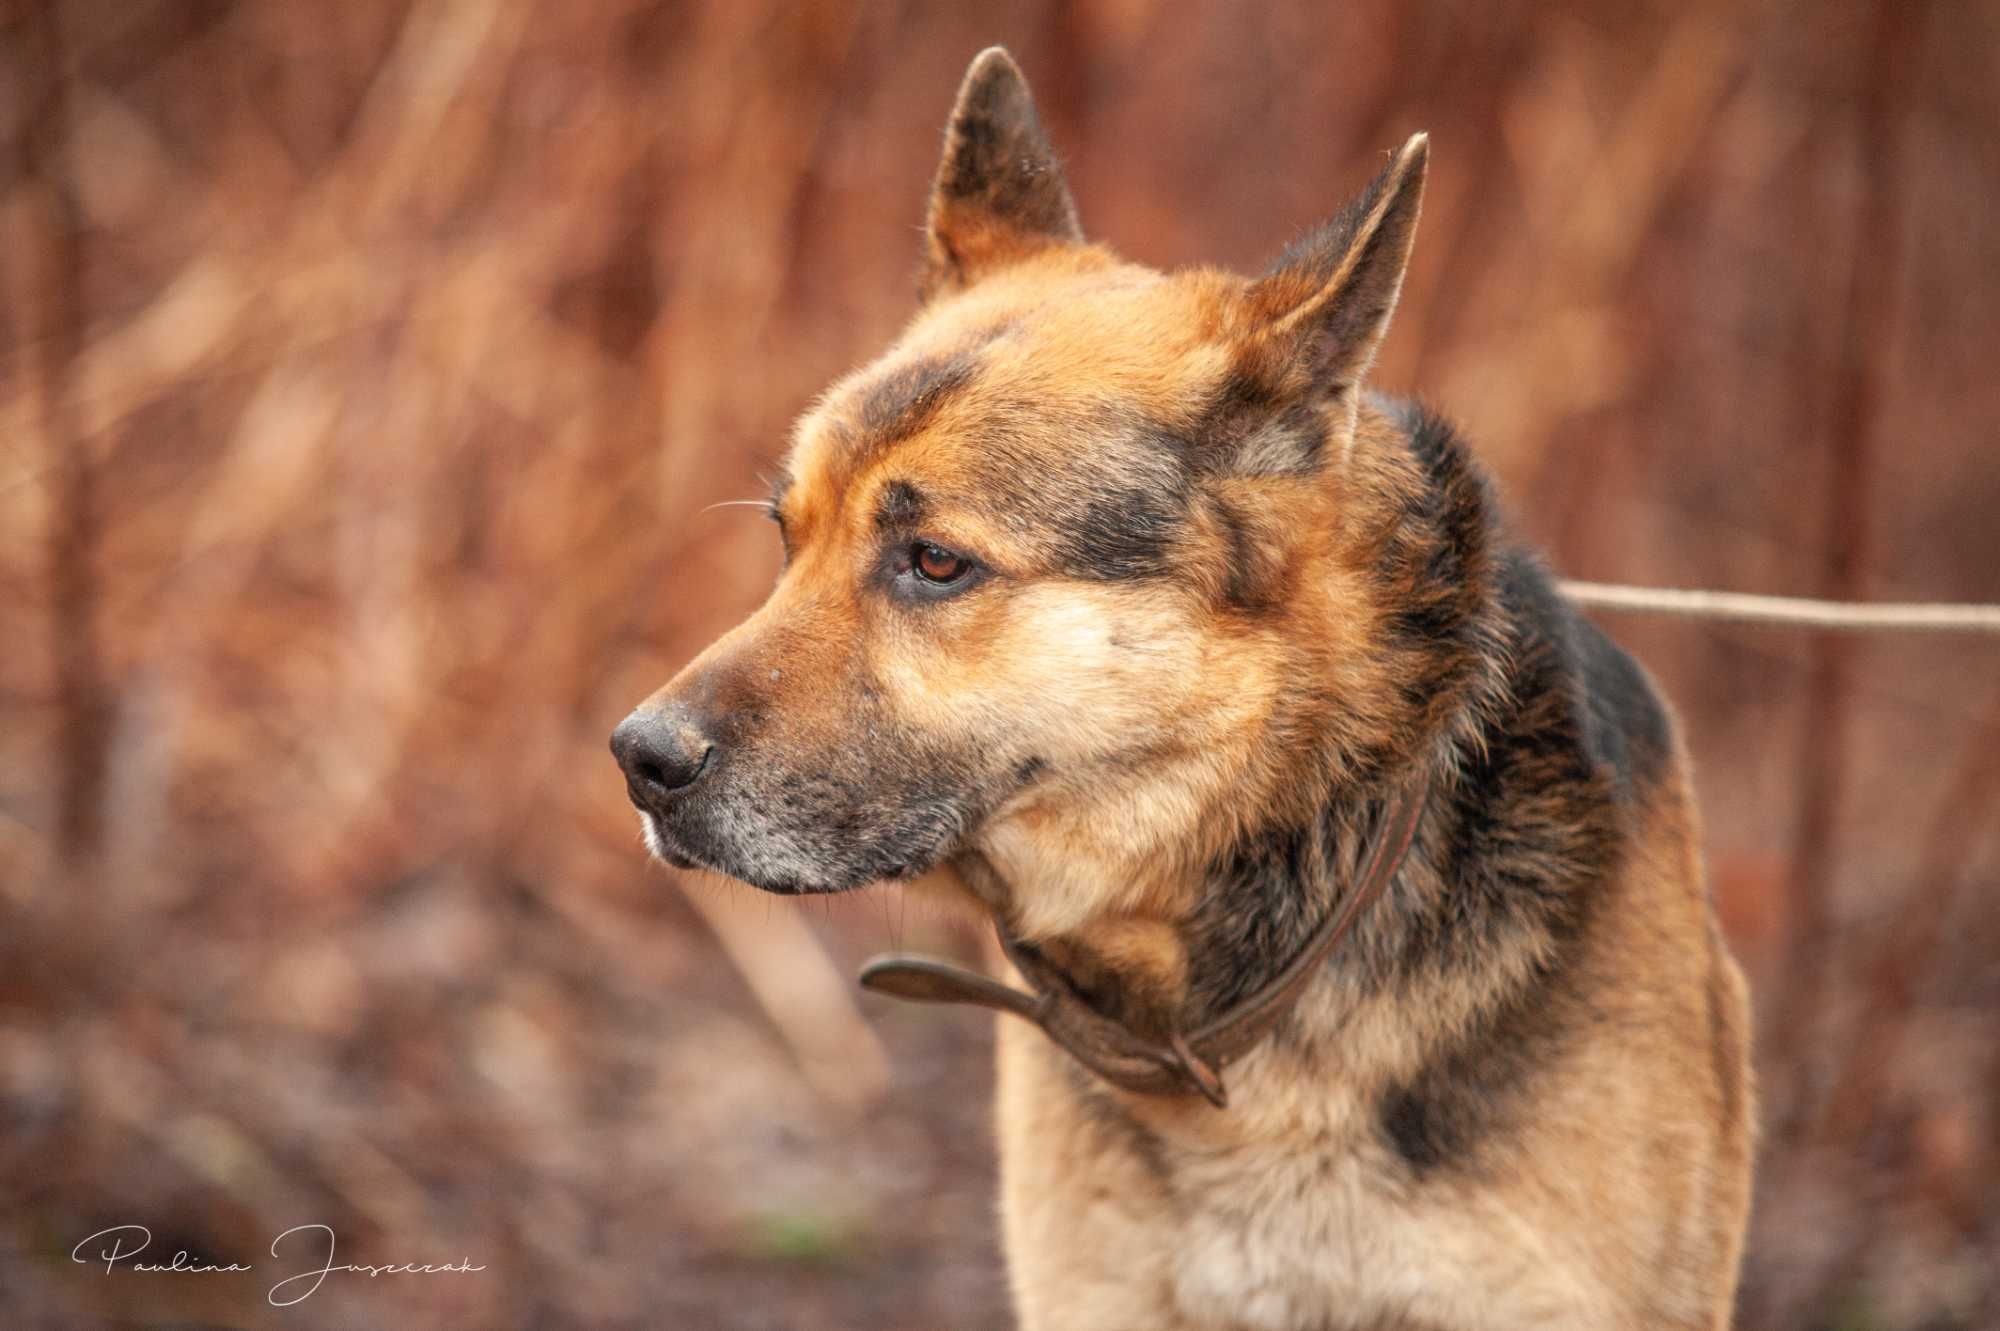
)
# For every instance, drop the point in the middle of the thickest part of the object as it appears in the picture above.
(1123, 667)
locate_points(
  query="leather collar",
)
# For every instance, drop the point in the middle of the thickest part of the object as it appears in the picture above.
(1191, 1061)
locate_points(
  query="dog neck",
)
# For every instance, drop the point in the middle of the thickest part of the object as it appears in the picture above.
(1430, 677)
(1184, 1058)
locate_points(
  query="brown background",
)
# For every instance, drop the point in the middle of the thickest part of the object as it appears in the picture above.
(368, 367)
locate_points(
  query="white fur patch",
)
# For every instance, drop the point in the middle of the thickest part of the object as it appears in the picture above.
(1284, 1241)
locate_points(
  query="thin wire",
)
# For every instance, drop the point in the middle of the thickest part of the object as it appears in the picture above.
(1794, 611)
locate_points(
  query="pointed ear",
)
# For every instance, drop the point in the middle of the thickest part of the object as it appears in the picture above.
(1327, 301)
(999, 194)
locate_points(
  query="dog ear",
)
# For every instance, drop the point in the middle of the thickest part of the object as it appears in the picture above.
(1318, 316)
(999, 194)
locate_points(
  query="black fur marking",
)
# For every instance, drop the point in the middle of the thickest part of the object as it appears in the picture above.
(1442, 540)
(1472, 1089)
(1262, 905)
(1243, 588)
(1115, 511)
(1244, 399)
(903, 401)
(1427, 623)
(1120, 535)
(1244, 393)
(980, 142)
(899, 508)
(1255, 426)
(1623, 726)
(1626, 728)
(1408, 1122)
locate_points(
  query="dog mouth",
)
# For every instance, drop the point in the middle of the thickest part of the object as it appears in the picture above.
(677, 852)
(663, 850)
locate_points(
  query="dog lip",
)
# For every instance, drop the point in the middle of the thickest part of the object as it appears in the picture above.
(663, 847)
(792, 887)
(679, 858)
(674, 850)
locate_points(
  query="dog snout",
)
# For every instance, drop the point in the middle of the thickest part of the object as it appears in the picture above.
(660, 750)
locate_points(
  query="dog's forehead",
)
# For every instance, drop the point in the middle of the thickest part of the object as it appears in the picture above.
(1032, 379)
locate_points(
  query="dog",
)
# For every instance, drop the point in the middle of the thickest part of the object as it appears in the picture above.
(1355, 878)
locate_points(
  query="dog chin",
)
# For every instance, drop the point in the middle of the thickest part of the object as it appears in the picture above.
(661, 849)
(671, 851)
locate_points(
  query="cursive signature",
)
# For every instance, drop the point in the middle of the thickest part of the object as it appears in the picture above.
(141, 1238)
(318, 1274)
(123, 1244)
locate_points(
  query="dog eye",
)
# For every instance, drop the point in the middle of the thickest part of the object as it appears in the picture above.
(935, 564)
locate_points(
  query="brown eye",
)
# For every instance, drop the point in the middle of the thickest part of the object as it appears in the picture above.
(937, 564)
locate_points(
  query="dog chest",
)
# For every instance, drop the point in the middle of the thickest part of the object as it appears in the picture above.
(1277, 1242)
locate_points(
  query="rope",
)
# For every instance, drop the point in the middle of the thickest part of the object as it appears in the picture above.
(1795, 611)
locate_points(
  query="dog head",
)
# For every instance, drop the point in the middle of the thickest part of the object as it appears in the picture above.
(1069, 569)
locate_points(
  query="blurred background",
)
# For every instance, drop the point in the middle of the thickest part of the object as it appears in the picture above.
(368, 369)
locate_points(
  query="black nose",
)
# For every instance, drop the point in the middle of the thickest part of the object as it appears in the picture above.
(661, 749)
